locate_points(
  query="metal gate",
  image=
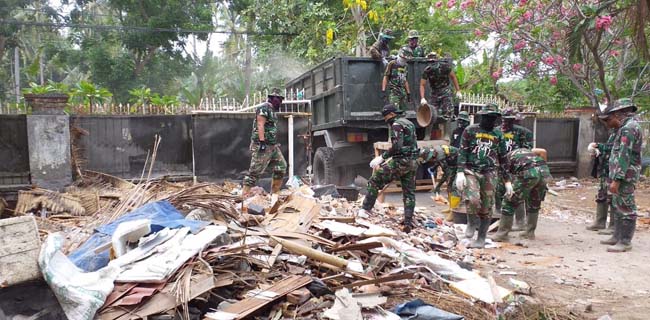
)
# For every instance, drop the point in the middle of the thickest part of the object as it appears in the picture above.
(14, 153)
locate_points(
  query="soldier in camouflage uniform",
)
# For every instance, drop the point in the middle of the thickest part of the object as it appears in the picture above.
(463, 122)
(529, 173)
(438, 73)
(380, 50)
(516, 137)
(398, 163)
(265, 149)
(624, 171)
(395, 79)
(603, 198)
(413, 48)
(446, 157)
(482, 154)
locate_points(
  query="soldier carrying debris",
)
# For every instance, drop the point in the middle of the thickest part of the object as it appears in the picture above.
(264, 147)
(398, 163)
(516, 137)
(438, 73)
(380, 50)
(482, 152)
(446, 157)
(529, 174)
(624, 171)
(395, 77)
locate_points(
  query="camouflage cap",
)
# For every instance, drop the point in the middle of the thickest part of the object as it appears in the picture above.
(276, 92)
(463, 115)
(413, 34)
(432, 55)
(620, 104)
(390, 108)
(509, 113)
(387, 34)
(490, 108)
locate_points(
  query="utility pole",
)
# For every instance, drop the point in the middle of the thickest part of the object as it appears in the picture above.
(17, 73)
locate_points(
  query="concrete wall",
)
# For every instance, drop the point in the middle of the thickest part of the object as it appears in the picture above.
(586, 135)
(49, 150)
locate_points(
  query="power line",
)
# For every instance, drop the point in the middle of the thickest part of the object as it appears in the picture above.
(135, 28)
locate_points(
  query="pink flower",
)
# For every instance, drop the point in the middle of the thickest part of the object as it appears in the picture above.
(439, 4)
(496, 74)
(614, 53)
(520, 45)
(478, 32)
(559, 59)
(603, 22)
(557, 35)
(577, 67)
(553, 80)
(515, 67)
(549, 60)
(531, 64)
(522, 3)
(527, 15)
(503, 40)
(466, 4)
(618, 42)
(451, 3)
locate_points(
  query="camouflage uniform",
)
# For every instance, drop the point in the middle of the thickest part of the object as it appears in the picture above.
(380, 50)
(396, 86)
(529, 172)
(417, 52)
(446, 157)
(437, 73)
(518, 137)
(401, 166)
(272, 156)
(603, 169)
(456, 134)
(481, 154)
(625, 167)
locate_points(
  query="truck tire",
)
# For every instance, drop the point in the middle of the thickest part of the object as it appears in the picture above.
(324, 170)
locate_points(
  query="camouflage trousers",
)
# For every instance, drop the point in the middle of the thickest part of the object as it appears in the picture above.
(603, 190)
(402, 170)
(623, 204)
(479, 193)
(398, 98)
(530, 187)
(441, 99)
(272, 157)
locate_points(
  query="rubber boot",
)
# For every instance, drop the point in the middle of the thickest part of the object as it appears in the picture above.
(276, 185)
(453, 204)
(615, 236)
(505, 226)
(612, 223)
(601, 217)
(531, 225)
(407, 224)
(520, 218)
(626, 230)
(482, 233)
(472, 224)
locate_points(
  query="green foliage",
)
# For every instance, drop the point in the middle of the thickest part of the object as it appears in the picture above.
(88, 94)
(140, 96)
(50, 87)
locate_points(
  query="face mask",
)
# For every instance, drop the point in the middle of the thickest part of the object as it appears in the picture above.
(463, 123)
(276, 102)
(487, 122)
(507, 125)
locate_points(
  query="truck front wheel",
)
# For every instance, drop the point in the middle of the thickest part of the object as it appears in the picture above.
(324, 170)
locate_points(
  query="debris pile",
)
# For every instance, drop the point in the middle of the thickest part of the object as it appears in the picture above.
(113, 249)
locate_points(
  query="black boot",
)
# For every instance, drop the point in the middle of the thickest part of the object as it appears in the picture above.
(482, 233)
(531, 225)
(520, 218)
(601, 217)
(472, 224)
(505, 225)
(408, 220)
(612, 223)
(626, 230)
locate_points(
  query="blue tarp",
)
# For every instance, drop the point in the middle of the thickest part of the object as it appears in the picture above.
(418, 310)
(162, 215)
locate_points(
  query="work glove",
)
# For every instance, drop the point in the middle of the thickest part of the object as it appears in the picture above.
(593, 149)
(459, 95)
(408, 98)
(384, 97)
(376, 162)
(460, 181)
(423, 101)
(384, 61)
(262, 147)
(509, 190)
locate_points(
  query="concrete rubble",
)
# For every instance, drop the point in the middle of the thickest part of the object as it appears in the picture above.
(113, 249)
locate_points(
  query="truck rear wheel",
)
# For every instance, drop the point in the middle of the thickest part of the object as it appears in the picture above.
(324, 170)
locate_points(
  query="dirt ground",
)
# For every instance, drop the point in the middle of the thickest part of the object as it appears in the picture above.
(567, 266)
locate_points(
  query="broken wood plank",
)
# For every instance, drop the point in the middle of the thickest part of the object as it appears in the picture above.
(298, 296)
(311, 253)
(274, 255)
(339, 219)
(378, 280)
(248, 306)
(358, 246)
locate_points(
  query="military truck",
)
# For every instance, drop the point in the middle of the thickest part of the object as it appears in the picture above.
(345, 93)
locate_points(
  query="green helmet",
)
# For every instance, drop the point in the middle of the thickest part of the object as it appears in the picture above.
(463, 115)
(620, 104)
(413, 34)
(390, 108)
(490, 108)
(387, 35)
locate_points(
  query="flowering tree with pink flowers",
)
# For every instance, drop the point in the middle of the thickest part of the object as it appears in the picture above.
(587, 42)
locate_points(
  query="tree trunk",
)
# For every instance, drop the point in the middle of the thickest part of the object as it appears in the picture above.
(3, 43)
(248, 70)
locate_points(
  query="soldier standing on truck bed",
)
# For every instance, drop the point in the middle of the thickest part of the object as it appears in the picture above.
(413, 48)
(624, 171)
(265, 149)
(398, 163)
(380, 50)
(438, 73)
(529, 173)
(395, 75)
(516, 137)
(482, 153)
(446, 157)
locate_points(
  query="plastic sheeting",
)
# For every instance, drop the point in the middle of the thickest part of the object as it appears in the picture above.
(161, 214)
(418, 310)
